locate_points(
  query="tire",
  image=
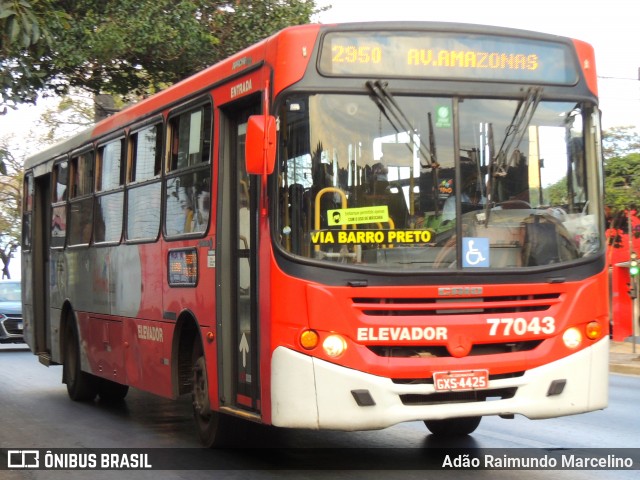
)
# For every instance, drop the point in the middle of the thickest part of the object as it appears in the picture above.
(214, 429)
(81, 386)
(110, 391)
(453, 427)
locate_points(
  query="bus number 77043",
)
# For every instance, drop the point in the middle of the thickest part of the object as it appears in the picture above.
(521, 326)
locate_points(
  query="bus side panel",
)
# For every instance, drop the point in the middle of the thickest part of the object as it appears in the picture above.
(193, 303)
(147, 355)
(128, 351)
(57, 296)
(138, 272)
(152, 273)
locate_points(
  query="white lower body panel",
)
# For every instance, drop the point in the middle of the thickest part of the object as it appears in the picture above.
(310, 393)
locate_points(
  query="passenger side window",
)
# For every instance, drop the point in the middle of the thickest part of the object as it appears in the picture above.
(190, 139)
(144, 191)
(107, 225)
(27, 202)
(81, 199)
(59, 204)
(188, 182)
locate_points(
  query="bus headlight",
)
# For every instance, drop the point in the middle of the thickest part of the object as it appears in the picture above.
(334, 345)
(572, 338)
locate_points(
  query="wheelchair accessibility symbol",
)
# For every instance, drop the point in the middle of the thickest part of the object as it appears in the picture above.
(475, 252)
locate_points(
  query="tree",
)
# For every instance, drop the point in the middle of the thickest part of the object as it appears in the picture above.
(621, 148)
(10, 209)
(24, 40)
(126, 46)
(618, 141)
(71, 114)
(622, 181)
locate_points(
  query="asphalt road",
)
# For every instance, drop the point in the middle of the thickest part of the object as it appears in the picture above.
(36, 413)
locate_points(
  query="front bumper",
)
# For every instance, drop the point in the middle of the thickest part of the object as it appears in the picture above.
(310, 393)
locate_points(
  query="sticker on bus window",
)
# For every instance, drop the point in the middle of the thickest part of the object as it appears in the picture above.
(355, 216)
(475, 252)
(443, 117)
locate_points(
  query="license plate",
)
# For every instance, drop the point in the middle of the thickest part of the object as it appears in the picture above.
(20, 327)
(461, 380)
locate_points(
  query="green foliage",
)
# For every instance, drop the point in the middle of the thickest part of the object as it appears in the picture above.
(558, 193)
(243, 23)
(621, 148)
(25, 40)
(622, 181)
(126, 47)
(11, 201)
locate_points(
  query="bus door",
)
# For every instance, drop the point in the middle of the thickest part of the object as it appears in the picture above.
(237, 320)
(40, 339)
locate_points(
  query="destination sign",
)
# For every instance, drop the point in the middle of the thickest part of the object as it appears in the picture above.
(447, 55)
(183, 267)
(363, 237)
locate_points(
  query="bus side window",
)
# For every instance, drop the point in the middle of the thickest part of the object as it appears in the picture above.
(109, 193)
(27, 202)
(81, 199)
(59, 204)
(144, 186)
(188, 201)
(188, 182)
(190, 138)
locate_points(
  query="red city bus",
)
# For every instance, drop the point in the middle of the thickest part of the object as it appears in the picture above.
(340, 227)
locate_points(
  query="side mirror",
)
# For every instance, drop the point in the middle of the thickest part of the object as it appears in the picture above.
(260, 144)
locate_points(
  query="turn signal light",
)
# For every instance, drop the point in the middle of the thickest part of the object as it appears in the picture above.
(593, 330)
(309, 339)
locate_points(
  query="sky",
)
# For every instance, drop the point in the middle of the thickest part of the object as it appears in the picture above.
(611, 26)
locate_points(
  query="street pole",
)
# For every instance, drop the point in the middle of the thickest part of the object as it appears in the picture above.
(633, 282)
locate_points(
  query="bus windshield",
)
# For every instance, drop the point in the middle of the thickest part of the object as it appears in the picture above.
(409, 182)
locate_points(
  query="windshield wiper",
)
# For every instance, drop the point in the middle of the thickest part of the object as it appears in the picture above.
(399, 121)
(514, 133)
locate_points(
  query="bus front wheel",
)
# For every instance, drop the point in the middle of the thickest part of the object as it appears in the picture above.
(453, 427)
(81, 386)
(215, 429)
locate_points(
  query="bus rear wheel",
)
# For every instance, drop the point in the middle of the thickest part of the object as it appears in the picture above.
(453, 427)
(81, 386)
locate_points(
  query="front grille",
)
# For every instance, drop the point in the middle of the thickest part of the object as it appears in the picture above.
(13, 324)
(459, 397)
(432, 351)
(455, 305)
